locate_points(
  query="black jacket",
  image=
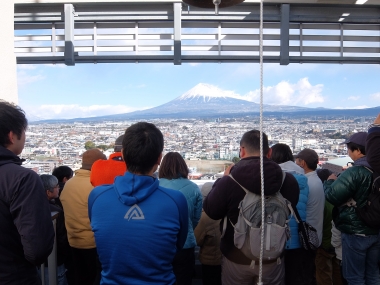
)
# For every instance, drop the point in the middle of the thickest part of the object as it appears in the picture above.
(26, 229)
(63, 247)
(373, 148)
(226, 195)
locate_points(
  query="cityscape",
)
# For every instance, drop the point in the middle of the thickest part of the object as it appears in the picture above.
(208, 145)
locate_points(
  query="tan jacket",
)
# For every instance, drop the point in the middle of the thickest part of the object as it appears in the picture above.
(74, 198)
(207, 234)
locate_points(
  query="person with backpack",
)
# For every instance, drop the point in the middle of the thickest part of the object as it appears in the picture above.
(349, 193)
(373, 145)
(223, 203)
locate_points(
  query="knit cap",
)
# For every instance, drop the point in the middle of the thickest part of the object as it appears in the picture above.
(90, 156)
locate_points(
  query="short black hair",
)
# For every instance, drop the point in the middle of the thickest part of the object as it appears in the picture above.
(12, 119)
(353, 146)
(173, 166)
(62, 172)
(143, 144)
(281, 153)
(251, 141)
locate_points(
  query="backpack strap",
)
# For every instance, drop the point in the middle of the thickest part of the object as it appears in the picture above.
(225, 220)
(242, 187)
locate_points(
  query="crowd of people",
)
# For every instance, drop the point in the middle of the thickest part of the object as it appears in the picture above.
(136, 218)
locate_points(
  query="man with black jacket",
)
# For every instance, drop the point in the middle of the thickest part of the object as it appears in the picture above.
(26, 229)
(224, 199)
(373, 145)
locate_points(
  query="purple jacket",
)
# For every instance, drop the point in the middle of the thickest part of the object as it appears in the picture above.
(226, 195)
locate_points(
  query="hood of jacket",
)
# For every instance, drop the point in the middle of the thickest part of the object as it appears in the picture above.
(362, 162)
(247, 173)
(6, 156)
(132, 189)
(291, 167)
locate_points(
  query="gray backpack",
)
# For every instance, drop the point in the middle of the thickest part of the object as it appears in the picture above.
(247, 235)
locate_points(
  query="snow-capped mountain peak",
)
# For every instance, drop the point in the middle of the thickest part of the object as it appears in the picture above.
(208, 91)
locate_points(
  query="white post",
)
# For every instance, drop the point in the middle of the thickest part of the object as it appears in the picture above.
(8, 70)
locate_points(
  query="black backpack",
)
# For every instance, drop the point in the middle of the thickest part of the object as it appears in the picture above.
(370, 212)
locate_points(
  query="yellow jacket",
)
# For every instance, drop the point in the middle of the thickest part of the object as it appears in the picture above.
(207, 234)
(74, 198)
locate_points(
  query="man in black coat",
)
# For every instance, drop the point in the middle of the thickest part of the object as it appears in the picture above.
(373, 145)
(224, 199)
(26, 228)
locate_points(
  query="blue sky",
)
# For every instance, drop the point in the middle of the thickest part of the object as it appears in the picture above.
(85, 90)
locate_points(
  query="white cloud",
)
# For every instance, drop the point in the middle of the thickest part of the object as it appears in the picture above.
(375, 96)
(354, 98)
(24, 78)
(46, 112)
(301, 93)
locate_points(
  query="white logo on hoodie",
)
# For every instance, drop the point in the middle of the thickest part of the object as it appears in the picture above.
(134, 213)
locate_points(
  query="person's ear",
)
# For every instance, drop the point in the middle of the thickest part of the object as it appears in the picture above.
(11, 137)
(242, 152)
(64, 180)
(269, 154)
(122, 154)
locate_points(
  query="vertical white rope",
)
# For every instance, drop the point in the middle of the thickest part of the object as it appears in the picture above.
(261, 147)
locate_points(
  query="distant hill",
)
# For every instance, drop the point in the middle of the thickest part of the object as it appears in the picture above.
(206, 100)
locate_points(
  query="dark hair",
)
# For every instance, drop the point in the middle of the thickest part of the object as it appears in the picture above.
(281, 153)
(323, 174)
(49, 182)
(251, 141)
(62, 172)
(173, 166)
(118, 144)
(353, 146)
(142, 146)
(12, 119)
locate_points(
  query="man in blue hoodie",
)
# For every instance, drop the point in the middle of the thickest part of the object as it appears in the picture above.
(138, 225)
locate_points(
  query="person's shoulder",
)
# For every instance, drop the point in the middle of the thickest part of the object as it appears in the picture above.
(101, 189)
(22, 172)
(291, 177)
(290, 182)
(171, 193)
(191, 185)
(313, 178)
(98, 191)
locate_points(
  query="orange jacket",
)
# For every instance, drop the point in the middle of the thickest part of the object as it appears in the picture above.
(105, 171)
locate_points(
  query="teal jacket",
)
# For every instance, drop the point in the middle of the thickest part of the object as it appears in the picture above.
(194, 204)
(354, 183)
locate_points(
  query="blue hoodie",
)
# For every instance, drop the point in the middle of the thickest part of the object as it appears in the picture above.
(138, 226)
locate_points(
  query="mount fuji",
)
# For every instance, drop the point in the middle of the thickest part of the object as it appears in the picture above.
(206, 100)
